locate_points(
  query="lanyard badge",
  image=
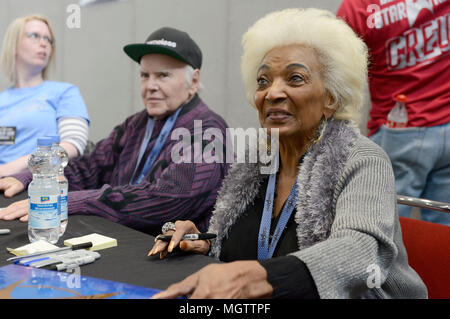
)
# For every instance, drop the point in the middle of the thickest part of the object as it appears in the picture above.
(163, 135)
(266, 247)
(7, 135)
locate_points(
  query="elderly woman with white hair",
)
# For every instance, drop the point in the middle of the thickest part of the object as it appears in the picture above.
(325, 224)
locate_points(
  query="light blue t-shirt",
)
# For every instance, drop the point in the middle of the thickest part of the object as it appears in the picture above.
(34, 112)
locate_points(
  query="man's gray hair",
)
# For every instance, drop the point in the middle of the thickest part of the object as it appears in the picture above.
(189, 76)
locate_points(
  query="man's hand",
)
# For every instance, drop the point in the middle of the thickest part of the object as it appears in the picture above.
(11, 186)
(18, 209)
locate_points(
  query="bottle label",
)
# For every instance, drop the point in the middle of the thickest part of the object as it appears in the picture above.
(63, 205)
(43, 212)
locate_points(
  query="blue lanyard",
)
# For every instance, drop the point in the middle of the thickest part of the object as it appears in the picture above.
(163, 135)
(266, 248)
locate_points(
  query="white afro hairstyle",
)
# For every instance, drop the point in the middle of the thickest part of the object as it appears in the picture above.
(341, 53)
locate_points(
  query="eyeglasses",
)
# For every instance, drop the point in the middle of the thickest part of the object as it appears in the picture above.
(36, 38)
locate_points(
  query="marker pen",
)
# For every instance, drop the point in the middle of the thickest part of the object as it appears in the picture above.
(62, 265)
(168, 238)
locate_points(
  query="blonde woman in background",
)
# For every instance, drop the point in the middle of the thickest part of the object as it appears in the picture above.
(34, 106)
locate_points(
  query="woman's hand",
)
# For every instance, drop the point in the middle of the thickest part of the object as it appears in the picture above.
(182, 228)
(11, 186)
(239, 279)
(18, 209)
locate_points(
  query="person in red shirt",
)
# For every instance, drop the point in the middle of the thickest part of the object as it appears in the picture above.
(409, 46)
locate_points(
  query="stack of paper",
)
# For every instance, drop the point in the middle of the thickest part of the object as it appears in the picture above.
(37, 246)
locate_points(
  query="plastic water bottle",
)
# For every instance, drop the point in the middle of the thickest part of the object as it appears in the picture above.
(43, 194)
(61, 153)
(398, 116)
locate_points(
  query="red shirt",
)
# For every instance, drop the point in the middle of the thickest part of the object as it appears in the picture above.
(409, 47)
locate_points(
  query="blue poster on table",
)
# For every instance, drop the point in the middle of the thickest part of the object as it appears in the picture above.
(20, 282)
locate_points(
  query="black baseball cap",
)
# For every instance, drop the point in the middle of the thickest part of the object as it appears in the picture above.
(169, 41)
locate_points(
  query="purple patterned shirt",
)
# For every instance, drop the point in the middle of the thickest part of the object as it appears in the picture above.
(99, 183)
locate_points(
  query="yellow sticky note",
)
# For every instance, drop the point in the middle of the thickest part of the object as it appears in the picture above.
(98, 241)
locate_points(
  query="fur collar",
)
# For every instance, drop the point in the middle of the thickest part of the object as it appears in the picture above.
(318, 175)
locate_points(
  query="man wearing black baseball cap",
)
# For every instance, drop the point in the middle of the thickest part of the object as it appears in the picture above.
(130, 177)
(167, 58)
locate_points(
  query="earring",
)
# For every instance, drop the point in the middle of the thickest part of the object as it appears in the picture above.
(265, 142)
(321, 129)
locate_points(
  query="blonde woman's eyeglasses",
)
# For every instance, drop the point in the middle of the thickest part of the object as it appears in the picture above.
(36, 37)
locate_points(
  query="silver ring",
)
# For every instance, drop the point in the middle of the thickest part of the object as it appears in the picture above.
(168, 226)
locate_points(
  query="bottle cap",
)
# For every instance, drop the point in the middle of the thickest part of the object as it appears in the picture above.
(401, 98)
(54, 138)
(44, 141)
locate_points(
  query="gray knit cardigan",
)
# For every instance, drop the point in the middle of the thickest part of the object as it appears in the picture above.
(348, 229)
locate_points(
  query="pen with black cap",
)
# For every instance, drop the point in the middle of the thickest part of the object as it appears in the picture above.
(70, 262)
